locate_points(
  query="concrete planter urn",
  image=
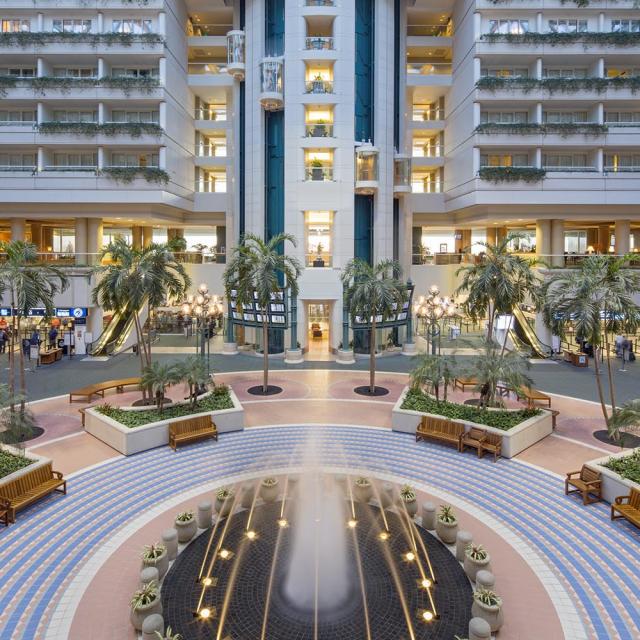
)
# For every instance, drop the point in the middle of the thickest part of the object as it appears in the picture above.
(409, 500)
(386, 495)
(186, 526)
(155, 555)
(224, 502)
(248, 493)
(488, 606)
(362, 489)
(269, 489)
(476, 559)
(447, 525)
(145, 602)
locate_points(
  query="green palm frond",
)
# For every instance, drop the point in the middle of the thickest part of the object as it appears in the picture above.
(625, 419)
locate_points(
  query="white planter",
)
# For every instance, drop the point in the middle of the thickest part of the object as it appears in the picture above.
(223, 507)
(269, 493)
(362, 492)
(186, 530)
(471, 567)
(447, 532)
(161, 564)
(155, 434)
(248, 493)
(514, 441)
(493, 615)
(411, 507)
(38, 461)
(139, 615)
(613, 484)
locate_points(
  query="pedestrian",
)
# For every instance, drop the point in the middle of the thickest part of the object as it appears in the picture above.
(3, 340)
(53, 335)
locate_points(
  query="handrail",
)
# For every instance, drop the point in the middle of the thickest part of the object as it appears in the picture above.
(319, 43)
(429, 68)
(429, 30)
(207, 29)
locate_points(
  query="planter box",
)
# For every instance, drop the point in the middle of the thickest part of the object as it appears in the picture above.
(613, 484)
(39, 461)
(514, 441)
(132, 440)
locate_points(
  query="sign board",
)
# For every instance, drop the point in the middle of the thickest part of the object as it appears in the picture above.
(37, 313)
(397, 319)
(71, 312)
(252, 314)
(5, 312)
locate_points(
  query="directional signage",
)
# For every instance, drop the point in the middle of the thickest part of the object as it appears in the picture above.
(71, 312)
(397, 319)
(252, 314)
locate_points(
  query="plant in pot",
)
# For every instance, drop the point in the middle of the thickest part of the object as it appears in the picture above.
(145, 602)
(269, 489)
(319, 130)
(447, 524)
(186, 526)
(317, 170)
(408, 499)
(224, 501)
(318, 84)
(155, 555)
(476, 558)
(168, 635)
(362, 489)
(488, 606)
(318, 261)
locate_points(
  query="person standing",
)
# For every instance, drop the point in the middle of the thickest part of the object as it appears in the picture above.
(53, 335)
(3, 340)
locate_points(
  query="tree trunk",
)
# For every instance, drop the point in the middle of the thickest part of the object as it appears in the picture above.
(142, 359)
(492, 312)
(612, 393)
(603, 404)
(265, 357)
(23, 382)
(372, 358)
(148, 333)
(12, 353)
(506, 335)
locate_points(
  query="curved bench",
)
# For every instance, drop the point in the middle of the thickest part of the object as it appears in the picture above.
(99, 388)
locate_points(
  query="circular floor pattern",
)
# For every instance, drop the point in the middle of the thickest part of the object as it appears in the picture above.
(629, 440)
(246, 576)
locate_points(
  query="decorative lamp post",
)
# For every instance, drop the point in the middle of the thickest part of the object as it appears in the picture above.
(202, 307)
(431, 309)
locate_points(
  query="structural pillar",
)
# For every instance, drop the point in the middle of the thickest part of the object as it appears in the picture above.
(94, 238)
(543, 238)
(136, 237)
(636, 240)
(492, 235)
(592, 240)
(604, 238)
(81, 241)
(36, 235)
(147, 236)
(622, 232)
(501, 234)
(47, 238)
(17, 229)
(557, 243)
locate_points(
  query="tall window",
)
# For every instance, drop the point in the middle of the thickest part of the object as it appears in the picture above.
(121, 115)
(134, 159)
(564, 160)
(75, 72)
(504, 117)
(71, 25)
(318, 233)
(14, 26)
(508, 26)
(17, 116)
(568, 26)
(556, 117)
(17, 161)
(505, 72)
(132, 72)
(18, 72)
(131, 25)
(504, 160)
(81, 159)
(625, 25)
(75, 116)
(563, 72)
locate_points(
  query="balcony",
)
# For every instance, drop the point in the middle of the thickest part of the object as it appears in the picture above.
(211, 114)
(209, 74)
(315, 173)
(318, 130)
(320, 3)
(431, 30)
(426, 74)
(210, 30)
(318, 43)
(319, 86)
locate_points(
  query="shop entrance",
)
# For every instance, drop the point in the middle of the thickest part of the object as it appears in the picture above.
(318, 323)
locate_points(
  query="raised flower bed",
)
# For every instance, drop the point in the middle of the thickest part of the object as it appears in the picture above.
(14, 463)
(519, 428)
(130, 430)
(620, 473)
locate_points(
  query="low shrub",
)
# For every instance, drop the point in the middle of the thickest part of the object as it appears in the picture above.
(628, 466)
(214, 402)
(416, 400)
(9, 462)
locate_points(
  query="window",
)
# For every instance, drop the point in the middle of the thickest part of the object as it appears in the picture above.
(75, 116)
(212, 182)
(504, 160)
(618, 72)
(318, 227)
(134, 160)
(18, 160)
(568, 26)
(556, 117)
(504, 117)
(64, 240)
(17, 116)
(212, 146)
(505, 72)
(69, 25)
(130, 72)
(318, 164)
(131, 25)
(564, 73)
(75, 72)
(622, 118)
(14, 26)
(618, 26)
(564, 160)
(120, 115)
(427, 147)
(18, 72)
(622, 162)
(75, 159)
(508, 26)
(426, 182)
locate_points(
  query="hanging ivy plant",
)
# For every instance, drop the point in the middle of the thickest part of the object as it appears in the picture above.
(124, 83)
(560, 85)
(39, 38)
(614, 38)
(128, 84)
(134, 129)
(563, 128)
(129, 174)
(79, 128)
(7, 82)
(511, 174)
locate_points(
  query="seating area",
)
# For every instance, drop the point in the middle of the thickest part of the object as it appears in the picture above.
(441, 429)
(99, 388)
(191, 430)
(532, 396)
(627, 507)
(483, 442)
(585, 481)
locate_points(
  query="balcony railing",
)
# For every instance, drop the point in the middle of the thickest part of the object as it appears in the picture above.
(207, 68)
(620, 169)
(420, 186)
(211, 186)
(79, 167)
(211, 151)
(71, 258)
(429, 30)
(22, 167)
(435, 151)
(320, 3)
(622, 124)
(429, 68)
(319, 86)
(427, 114)
(319, 43)
(319, 174)
(570, 169)
(318, 260)
(198, 257)
(17, 123)
(211, 113)
(201, 30)
(319, 130)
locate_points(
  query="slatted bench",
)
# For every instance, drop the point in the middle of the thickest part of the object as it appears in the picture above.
(588, 481)
(492, 444)
(532, 396)
(30, 487)
(99, 388)
(4, 511)
(628, 507)
(442, 429)
(191, 429)
(463, 383)
(483, 441)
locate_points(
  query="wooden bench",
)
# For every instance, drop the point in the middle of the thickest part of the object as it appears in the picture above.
(4, 511)
(191, 429)
(463, 383)
(587, 482)
(474, 439)
(492, 444)
(30, 487)
(99, 388)
(628, 507)
(532, 395)
(441, 429)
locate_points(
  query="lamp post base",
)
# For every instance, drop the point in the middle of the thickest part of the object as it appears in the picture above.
(409, 349)
(230, 348)
(345, 356)
(293, 356)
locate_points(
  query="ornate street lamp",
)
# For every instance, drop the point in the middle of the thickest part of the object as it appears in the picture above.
(202, 307)
(431, 309)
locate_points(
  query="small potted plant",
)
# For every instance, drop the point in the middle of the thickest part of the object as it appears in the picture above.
(186, 526)
(145, 602)
(319, 130)
(408, 499)
(488, 606)
(476, 558)
(224, 501)
(362, 489)
(447, 524)
(155, 555)
(318, 84)
(318, 261)
(269, 489)
(168, 635)
(317, 170)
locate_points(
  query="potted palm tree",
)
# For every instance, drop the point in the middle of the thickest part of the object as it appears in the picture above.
(319, 130)
(168, 635)
(447, 524)
(476, 558)
(318, 261)
(362, 489)
(155, 555)
(256, 271)
(436, 372)
(145, 602)
(269, 489)
(186, 526)
(224, 501)
(408, 499)
(488, 605)
(372, 293)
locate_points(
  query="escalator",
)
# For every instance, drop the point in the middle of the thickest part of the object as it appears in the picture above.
(120, 332)
(524, 337)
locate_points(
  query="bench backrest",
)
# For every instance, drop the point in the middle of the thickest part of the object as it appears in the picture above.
(494, 439)
(476, 433)
(589, 475)
(634, 499)
(26, 482)
(441, 425)
(190, 424)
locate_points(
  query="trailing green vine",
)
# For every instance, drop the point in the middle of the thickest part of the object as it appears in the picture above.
(7, 82)
(124, 83)
(129, 174)
(527, 128)
(39, 38)
(511, 174)
(134, 129)
(614, 38)
(560, 85)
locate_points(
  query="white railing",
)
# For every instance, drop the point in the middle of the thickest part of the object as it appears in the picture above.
(429, 68)
(319, 43)
(212, 113)
(207, 68)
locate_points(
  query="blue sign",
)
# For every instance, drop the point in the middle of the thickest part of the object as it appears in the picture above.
(37, 313)
(71, 312)
(5, 312)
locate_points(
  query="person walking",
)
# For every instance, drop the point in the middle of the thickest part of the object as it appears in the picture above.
(53, 335)
(4, 338)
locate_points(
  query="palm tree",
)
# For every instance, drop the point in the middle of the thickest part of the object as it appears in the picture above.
(596, 299)
(434, 371)
(373, 292)
(193, 372)
(157, 377)
(257, 268)
(498, 283)
(25, 284)
(16, 427)
(625, 419)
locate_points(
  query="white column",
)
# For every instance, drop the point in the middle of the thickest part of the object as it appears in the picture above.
(102, 69)
(543, 237)
(40, 116)
(477, 26)
(40, 68)
(600, 68)
(101, 113)
(17, 228)
(539, 68)
(162, 24)
(94, 235)
(477, 69)
(601, 21)
(162, 71)
(476, 114)
(600, 160)
(600, 113)
(623, 231)
(537, 160)
(539, 112)
(476, 161)
(162, 114)
(162, 157)
(40, 22)
(81, 235)
(539, 22)
(557, 243)
(100, 158)
(94, 322)
(100, 25)
(41, 159)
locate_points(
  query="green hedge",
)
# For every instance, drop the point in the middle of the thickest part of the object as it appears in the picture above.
(134, 129)
(511, 174)
(628, 467)
(127, 175)
(219, 399)
(500, 419)
(40, 38)
(560, 85)
(608, 38)
(563, 129)
(10, 462)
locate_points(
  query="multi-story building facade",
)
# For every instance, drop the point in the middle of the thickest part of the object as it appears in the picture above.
(368, 128)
